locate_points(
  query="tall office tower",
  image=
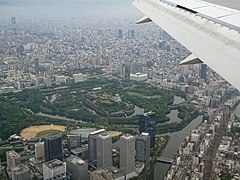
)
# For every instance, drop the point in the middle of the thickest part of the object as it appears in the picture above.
(143, 148)
(20, 172)
(133, 67)
(36, 65)
(76, 63)
(13, 24)
(101, 174)
(127, 69)
(150, 73)
(130, 34)
(55, 169)
(120, 33)
(203, 71)
(74, 141)
(77, 168)
(123, 71)
(104, 151)
(39, 150)
(53, 147)
(92, 144)
(147, 123)
(226, 112)
(13, 159)
(127, 154)
(139, 67)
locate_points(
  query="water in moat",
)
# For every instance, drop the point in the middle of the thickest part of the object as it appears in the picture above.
(161, 169)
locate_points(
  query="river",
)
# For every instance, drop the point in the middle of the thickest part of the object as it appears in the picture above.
(161, 169)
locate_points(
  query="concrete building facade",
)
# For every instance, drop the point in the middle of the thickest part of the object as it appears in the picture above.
(143, 148)
(127, 153)
(39, 150)
(78, 168)
(74, 141)
(104, 151)
(13, 159)
(92, 144)
(20, 172)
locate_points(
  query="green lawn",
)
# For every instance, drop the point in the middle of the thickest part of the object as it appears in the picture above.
(107, 102)
(42, 134)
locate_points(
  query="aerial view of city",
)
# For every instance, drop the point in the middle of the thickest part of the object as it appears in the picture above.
(86, 93)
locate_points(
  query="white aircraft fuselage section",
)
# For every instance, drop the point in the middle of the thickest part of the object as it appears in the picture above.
(210, 32)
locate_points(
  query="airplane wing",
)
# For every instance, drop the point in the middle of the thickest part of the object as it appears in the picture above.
(211, 32)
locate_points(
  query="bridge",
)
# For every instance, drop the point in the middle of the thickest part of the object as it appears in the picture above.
(165, 160)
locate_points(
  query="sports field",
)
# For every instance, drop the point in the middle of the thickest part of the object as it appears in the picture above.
(40, 131)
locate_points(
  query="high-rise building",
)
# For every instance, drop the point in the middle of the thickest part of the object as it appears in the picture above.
(53, 147)
(147, 122)
(13, 159)
(36, 65)
(123, 71)
(104, 151)
(131, 34)
(226, 112)
(203, 71)
(120, 33)
(77, 168)
(20, 172)
(13, 24)
(74, 141)
(55, 169)
(39, 150)
(92, 144)
(143, 148)
(127, 154)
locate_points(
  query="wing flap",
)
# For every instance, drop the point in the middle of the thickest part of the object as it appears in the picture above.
(191, 60)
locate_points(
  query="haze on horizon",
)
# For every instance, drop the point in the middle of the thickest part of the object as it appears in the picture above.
(68, 8)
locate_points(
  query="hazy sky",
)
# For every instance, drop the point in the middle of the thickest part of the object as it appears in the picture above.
(72, 8)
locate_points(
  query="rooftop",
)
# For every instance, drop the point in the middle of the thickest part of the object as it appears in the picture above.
(127, 136)
(98, 131)
(54, 164)
(20, 168)
(76, 160)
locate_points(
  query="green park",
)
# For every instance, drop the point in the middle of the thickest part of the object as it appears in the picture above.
(98, 102)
